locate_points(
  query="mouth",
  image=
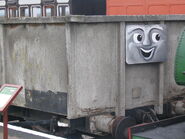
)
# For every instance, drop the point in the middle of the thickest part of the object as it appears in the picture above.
(147, 53)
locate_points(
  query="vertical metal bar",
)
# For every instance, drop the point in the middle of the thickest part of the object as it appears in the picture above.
(2, 53)
(159, 107)
(5, 124)
(70, 46)
(120, 108)
(161, 88)
(160, 96)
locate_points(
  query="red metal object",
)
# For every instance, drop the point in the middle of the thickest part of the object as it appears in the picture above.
(4, 109)
(135, 126)
(5, 124)
(120, 126)
(145, 7)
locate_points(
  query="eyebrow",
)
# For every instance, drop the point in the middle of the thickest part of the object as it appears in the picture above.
(157, 28)
(136, 30)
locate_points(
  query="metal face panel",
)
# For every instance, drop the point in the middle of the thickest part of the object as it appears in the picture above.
(145, 44)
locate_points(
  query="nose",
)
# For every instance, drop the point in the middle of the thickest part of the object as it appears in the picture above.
(146, 40)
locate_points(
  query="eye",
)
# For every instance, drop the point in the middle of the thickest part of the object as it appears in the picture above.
(137, 38)
(156, 37)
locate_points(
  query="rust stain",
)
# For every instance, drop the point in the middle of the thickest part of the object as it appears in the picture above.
(29, 95)
(33, 25)
(54, 24)
(97, 110)
(12, 26)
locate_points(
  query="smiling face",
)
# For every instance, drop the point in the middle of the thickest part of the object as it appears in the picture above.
(145, 44)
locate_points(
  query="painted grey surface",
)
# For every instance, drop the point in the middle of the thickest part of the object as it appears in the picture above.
(93, 61)
(82, 57)
(142, 81)
(35, 57)
(94, 19)
(145, 43)
(142, 84)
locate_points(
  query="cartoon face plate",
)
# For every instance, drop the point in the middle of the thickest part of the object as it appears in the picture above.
(145, 44)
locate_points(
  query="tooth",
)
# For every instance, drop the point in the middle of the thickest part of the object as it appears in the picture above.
(147, 51)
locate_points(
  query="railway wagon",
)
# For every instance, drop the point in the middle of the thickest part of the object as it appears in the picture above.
(145, 7)
(47, 8)
(98, 75)
(37, 8)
